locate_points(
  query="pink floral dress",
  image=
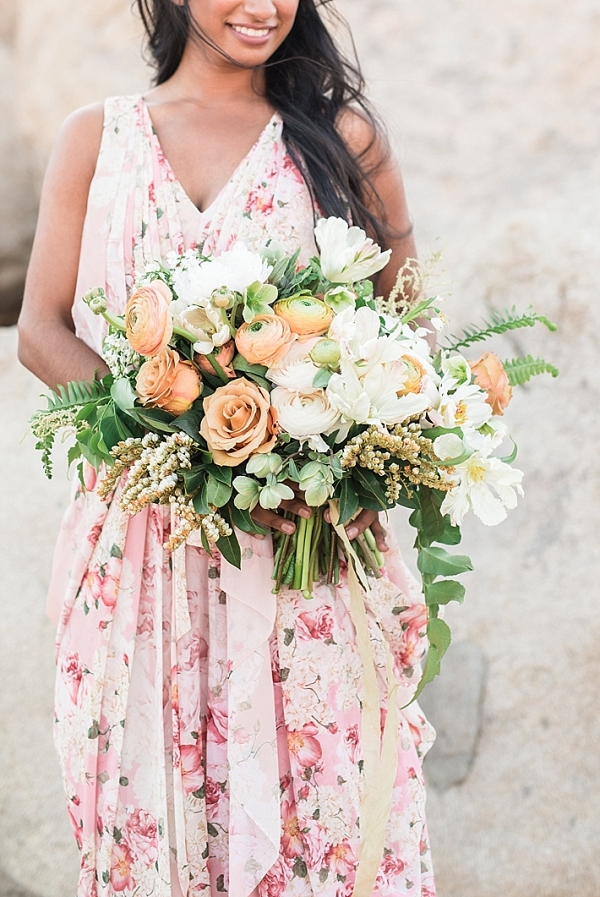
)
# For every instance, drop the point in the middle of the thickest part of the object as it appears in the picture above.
(209, 732)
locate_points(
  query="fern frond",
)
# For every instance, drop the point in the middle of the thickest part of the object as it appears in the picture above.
(521, 370)
(498, 322)
(76, 393)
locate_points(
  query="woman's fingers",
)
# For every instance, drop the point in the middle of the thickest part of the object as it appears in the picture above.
(297, 507)
(273, 520)
(359, 525)
(379, 533)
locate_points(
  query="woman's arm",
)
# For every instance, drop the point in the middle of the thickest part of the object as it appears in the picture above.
(47, 342)
(389, 200)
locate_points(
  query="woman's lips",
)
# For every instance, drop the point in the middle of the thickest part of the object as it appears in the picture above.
(253, 36)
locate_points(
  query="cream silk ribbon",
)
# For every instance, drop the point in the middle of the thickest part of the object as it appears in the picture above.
(255, 820)
(380, 756)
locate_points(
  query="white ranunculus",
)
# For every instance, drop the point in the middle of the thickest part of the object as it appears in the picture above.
(208, 326)
(475, 479)
(236, 269)
(347, 254)
(306, 415)
(296, 370)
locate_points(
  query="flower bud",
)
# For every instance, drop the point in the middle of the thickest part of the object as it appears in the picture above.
(96, 300)
(222, 298)
(326, 353)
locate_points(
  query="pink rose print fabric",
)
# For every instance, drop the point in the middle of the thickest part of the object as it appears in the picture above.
(210, 733)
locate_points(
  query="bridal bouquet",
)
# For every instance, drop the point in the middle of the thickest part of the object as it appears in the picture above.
(239, 380)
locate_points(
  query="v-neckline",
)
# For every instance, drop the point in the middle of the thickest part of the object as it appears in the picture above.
(175, 180)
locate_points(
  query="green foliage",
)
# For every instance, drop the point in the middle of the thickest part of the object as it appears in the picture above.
(521, 370)
(77, 393)
(498, 322)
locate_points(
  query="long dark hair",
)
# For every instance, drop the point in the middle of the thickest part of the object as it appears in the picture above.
(309, 82)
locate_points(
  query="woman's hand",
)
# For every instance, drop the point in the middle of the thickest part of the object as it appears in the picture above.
(299, 508)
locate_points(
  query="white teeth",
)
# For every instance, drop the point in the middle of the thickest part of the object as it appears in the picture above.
(252, 32)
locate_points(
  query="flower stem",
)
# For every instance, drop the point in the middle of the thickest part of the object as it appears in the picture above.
(114, 321)
(297, 581)
(217, 368)
(369, 556)
(180, 331)
(306, 565)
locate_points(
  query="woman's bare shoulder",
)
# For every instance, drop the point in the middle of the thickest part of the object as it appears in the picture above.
(362, 135)
(78, 141)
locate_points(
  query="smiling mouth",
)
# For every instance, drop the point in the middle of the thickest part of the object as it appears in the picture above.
(251, 32)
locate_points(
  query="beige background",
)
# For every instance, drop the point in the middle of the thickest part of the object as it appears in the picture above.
(494, 110)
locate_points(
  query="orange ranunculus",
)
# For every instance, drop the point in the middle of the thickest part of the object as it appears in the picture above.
(223, 355)
(306, 315)
(148, 318)
(168, 382)
(265, 340)
(238, 422)
(490, 375)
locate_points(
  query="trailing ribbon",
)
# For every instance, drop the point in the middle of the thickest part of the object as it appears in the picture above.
(380, 756)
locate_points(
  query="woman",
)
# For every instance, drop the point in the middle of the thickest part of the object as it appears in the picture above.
(254, 129)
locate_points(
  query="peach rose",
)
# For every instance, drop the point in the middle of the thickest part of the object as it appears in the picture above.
(238, 422)
(306, 315)
(490, 375)
(148, 319)
(265, 340)
(224, 356)
(168, 382)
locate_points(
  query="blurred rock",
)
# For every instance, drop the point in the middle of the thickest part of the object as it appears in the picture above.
(69, 55)
(17, 199)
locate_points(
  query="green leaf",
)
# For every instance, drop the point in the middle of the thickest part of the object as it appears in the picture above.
(230, 549)
(498, 322)
(255, 372)
(322, 378)
(451, 535)
(78, 392)
(243, 520)
(155, 419)
(372, 485)
(444, 591)
(349, 503)
(222, 474)
(123, 394)
(515, 451)
(73, 454)
(438, 633)
(438, 562)
(521, 370)
(429, 520)
(200, 501)
(194, 478)
(217, 493)
(189, 422)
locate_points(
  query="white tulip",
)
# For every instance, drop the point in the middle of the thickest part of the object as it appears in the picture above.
(475, 479)
(373, 397)
(347, 254)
